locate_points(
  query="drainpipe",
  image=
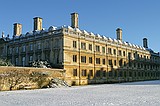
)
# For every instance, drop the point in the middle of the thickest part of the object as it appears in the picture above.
(94, 59)
(107, 62)
(79, 57)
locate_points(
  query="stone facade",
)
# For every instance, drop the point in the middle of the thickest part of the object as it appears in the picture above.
(2, 42)
(87, 58)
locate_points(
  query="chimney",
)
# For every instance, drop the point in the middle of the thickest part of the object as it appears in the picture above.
(145, 43)
(37, 23)
(17, 29)
(119, 34)
(74, 20)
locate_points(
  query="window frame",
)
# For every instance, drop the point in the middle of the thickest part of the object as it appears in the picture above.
(98, 61)
(74, 44)
(75, 74)
(90, 60)
(90, 47)
(97, 48)
(74, 58)
(83, 45)
(83, 59)
(103, 61)
(103, 49)
(84, 72)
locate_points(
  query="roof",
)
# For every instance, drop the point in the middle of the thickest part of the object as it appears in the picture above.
(105, 38)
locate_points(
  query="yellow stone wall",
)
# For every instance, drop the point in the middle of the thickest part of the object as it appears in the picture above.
(127, 72)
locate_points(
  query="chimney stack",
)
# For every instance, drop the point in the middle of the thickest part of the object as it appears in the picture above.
(145, 43)
(17, 29)
(37, 23)
(74, 20)
(119, 34)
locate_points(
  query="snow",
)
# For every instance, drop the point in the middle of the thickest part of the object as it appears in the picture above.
(92, 34)
(36, 32)
(16, 37)
(77, 30)
(143, 48)
(110, 39)
(134, 45)
(22, 36)
(29, 33)
(98, 35)
(119, 41)
(52, 28)
(115, 40)
(68, 27)
(125, 43)
(130, 44)
(104, 37)
(137, 46)
(124, 94)
(58, 28)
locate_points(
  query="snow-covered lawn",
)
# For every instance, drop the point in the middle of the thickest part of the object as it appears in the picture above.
(125, 94)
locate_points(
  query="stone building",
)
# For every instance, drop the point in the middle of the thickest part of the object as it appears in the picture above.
(86, 57)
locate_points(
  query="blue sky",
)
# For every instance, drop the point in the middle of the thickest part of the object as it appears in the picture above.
(137, 18)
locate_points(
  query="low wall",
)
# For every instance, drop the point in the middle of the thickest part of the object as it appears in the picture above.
(15, 78)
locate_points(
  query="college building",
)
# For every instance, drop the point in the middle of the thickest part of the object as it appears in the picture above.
(88, 58)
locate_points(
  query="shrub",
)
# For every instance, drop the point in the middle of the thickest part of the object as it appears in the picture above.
(5, 62)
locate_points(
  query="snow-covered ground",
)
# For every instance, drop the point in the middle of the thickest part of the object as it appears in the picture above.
(125, 94)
